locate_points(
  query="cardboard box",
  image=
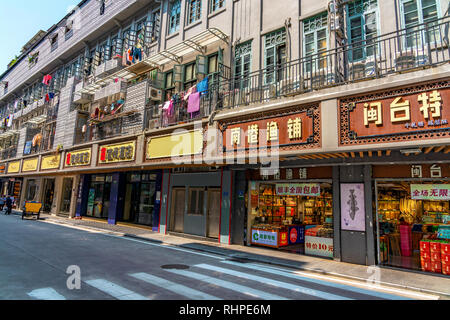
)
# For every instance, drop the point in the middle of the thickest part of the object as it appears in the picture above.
(446, 268)
(436, 267)
(424, 246)
(436, 256)
(445, 248)
(445, 258)
(425, 255)
(426, 265)
(435, 247)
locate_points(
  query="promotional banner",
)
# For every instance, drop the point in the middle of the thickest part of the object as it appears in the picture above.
(437, 192)
(265, 238)
(352, 207)
(298, 189)
(322, 247)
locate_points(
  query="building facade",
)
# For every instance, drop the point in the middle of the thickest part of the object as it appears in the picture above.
(314, 127)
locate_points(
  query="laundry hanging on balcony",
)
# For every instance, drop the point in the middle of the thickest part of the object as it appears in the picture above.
(133, 55)
(189, 92)
(49, 96)
(10, 120)
(194, 104)
(203, 86)
(47, 80)
(37, 139)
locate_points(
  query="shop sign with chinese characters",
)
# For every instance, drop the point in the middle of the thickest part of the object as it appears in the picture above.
(322, 247)
(296, 128)
(117, 153)
(30, 165)
(50, 162)
(78, 158)
(436, 192)
(394, 115)
(300, 189)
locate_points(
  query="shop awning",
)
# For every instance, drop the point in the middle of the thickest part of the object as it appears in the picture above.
(197, 43)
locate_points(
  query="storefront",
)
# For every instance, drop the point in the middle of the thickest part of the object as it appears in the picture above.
(292, 212)
(414, 217)
(99, 197)
(195, 202)
(142, 198)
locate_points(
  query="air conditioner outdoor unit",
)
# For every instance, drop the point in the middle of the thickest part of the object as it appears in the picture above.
(155, 94)
(153, 124)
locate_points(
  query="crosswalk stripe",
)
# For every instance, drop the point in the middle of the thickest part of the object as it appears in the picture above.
(320, 282)
(228, 285)
(115, 290)
(190, 293)
(279, 284)
(46, 294)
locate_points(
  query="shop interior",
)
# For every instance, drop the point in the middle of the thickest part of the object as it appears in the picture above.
(311, 217)
(404, 224)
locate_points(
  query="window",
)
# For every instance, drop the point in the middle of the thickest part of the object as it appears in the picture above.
(174, 16)
(242, 64)
(196, 201)
(190, 76)
(315, 41)
(54, 43)
(169, 86)
(68, 30)
(194, 10)
(114, 46)
(415, 12)
(102, 7)
(217, 4)
(275, 55)
(362, 28)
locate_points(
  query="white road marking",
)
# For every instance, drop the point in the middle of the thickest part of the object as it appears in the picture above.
(189, 293)
(46, 294)
(115, 290)
(228, 285)
(275, 283)
(291, 275)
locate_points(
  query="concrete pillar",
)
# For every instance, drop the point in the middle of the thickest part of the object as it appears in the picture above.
(227, 194)
(165, 196)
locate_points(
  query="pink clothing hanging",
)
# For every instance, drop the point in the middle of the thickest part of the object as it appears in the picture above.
(189, 92)
(194, 103)
(47, 80)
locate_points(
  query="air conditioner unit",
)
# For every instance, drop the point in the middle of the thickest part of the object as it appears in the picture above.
(405, 61)
(153, 124)
(155, 94)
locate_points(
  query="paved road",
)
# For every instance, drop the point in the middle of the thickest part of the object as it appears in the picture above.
(35, 257)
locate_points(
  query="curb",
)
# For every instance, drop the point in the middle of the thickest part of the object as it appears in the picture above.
(246, 256)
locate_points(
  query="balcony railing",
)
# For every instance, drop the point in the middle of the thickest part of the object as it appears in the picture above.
(8, 153)
(409, 49)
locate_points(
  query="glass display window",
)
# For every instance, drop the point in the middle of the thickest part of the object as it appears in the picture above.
(411, 216)
(292, 216)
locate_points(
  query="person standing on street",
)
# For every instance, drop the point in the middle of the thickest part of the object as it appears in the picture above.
(2, 202)
(8, 205)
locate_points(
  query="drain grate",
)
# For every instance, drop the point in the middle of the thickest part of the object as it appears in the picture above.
(175, 267)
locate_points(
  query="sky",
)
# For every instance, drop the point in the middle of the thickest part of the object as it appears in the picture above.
(20, 20)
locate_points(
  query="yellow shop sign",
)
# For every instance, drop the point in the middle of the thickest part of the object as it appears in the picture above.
(14, 167)
(122, 152)
(30, 165)
(50, 162)
(175, 145)
(78, 158)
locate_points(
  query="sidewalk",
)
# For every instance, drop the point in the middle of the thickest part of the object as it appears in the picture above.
(427, 283)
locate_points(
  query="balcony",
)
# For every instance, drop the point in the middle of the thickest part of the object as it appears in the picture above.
(111, 89)
(406, 50)
(8, 153)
